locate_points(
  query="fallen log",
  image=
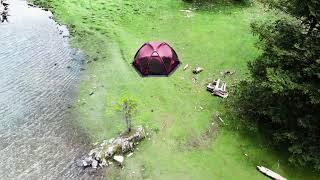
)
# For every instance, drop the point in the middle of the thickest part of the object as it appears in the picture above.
(270, 173)
(113, 149)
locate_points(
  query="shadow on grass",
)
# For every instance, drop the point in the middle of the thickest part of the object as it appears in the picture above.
(213, 5)
(263, 145)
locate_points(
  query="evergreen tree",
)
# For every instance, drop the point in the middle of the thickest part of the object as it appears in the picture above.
(283, 94)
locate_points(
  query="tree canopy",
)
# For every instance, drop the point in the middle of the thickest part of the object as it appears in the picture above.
(283, 94)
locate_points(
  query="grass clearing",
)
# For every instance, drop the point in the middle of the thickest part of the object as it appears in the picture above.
(110, 32)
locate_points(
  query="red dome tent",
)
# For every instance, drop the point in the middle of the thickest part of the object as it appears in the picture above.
(156, 59)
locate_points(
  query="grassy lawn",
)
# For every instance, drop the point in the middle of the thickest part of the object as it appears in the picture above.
(177, 111)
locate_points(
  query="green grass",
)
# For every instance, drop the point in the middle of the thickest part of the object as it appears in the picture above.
(110, 32)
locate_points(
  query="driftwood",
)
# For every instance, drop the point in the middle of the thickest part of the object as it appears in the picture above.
(218, 90)
(186, 67)
(270, 173)
(113, 149)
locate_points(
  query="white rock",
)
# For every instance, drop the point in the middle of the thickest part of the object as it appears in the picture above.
(84, 163)
(119, 159)
(94, 164)
(104, 162)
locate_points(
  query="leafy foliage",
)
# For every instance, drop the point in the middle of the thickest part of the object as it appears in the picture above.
(283, 94)
(128, 106)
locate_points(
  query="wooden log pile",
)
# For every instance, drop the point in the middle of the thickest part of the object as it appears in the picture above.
(218, 89)
(113, 150)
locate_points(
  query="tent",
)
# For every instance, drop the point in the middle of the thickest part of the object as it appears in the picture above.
(156, 59)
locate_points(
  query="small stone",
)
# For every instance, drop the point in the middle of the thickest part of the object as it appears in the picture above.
(94, 164)
(104, 162)
(197, 70)
(87, 162)
(91, 93)
(119, 159)
(79, 163)
(84, 164)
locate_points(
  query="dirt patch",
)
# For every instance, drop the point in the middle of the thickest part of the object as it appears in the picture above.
(166, 121)
(204, 139)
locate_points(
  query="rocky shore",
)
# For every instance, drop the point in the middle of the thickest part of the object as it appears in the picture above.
(113, 150)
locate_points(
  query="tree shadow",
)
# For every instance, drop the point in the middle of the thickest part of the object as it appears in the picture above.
(213, 5)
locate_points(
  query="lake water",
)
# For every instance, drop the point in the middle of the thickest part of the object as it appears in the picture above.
(39, 75)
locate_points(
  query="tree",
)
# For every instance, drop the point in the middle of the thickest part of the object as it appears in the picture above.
(128, 106)
(283, 94)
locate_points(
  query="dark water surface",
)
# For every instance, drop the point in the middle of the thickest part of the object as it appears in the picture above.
(39, 137)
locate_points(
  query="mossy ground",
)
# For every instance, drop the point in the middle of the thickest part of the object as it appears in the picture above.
(176, 110)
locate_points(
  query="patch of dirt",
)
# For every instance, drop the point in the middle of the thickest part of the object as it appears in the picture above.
(204, 139)
(166, 121)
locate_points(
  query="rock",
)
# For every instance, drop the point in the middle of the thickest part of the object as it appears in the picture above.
(126, 146)
(110, 151)
(87, 162)
(92, 152)
(104, 162)
(94, 164)
(79, 163)
(91, 93)
(197, 70)
(119, 159)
